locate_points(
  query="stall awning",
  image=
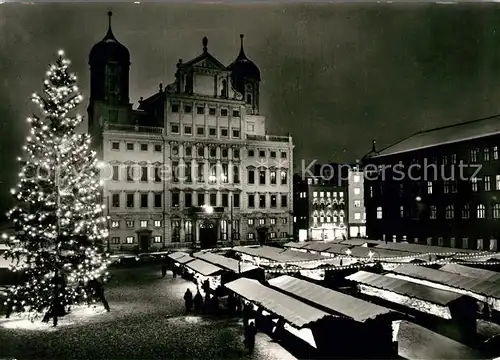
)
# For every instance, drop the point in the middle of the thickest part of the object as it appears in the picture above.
(475, 285)
(203, 268)
(224, 262)
(177, 255)
(337, 302)
(406, 288)
(185, 259)
(422, 249)
(279, 255)
(291, 310)
(468, 271)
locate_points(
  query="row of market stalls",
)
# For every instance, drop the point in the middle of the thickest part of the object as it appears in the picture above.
(215, 269)
(319, 322)
(390, 252)
(304, 314)
(448, 300)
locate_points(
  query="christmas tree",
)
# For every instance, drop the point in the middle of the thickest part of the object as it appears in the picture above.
(58, 219)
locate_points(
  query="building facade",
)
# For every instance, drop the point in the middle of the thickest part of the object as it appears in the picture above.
(321, 203)
(193, 163)
(437, 187)
(356, 196)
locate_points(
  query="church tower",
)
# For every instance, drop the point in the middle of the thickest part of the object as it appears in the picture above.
(109, 82)
(245, 78)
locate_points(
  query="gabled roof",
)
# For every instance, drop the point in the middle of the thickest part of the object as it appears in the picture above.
(224, 262)
(444, 135)
(205, 60)
(291, 310)
(468, 271)
(339, 303)
(475, 285)
(406, 288)
(203, 267)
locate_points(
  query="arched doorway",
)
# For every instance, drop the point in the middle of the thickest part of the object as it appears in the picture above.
(208, 234)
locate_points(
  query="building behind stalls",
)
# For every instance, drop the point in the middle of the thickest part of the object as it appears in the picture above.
(452, 197)
(321, 202)
(356, 196)
(196, 145)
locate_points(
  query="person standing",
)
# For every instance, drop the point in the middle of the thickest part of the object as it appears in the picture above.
(163, 269)
(56, 309)
(188, 300)
(250, 333)
(198, 302)
(97, 290)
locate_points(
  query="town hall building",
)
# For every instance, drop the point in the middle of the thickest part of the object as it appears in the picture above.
(193, 163)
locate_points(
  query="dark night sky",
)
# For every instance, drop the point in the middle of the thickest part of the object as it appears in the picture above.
(335, 76)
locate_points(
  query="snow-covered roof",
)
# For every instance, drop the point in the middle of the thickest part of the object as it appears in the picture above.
(278, 254)
(463, 270)
(225, 262)
(475, 285)
(421, 249)
(177, 255)
(203, 267)
(337, 302)
(185, 259)
(444, 135)
(291, 310)
(403, 287)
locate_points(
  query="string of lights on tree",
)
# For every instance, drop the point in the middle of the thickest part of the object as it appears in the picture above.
(58, 218)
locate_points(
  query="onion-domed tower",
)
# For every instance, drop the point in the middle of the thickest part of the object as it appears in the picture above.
(245, 78)
(109, 77)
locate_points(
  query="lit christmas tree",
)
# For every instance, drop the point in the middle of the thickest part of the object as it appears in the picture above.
(59, 222)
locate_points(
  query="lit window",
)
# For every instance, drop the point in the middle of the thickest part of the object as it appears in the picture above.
(432, 212)
(130, 239)
(474, 184)
(157, 223)
(487, 183)
(357, 216)
(379, 212)
(356, 178)
(450, 212)
(481, 211)
(495, 153)
(496, 211)
(465, 212)
(157, 239)
(357, 191)
(115, 224)
(144, 223)
(429, 187)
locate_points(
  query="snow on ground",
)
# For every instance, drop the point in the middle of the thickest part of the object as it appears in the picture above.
(78, 315)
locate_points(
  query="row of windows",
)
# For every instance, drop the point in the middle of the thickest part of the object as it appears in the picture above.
(466, 243)
(262, 203)
(188, 238)
(130, 224)
(201, 110)
(144, 200)
(327, 194)
(200, 150)
(200, 131)
(450, 211)
(131, 240)
(262, 221)
(488, 154)
(451, 186)
(198, 171)
(263, 177)
(130, 146)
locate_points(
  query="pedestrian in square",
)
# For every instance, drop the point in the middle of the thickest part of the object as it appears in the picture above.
(188, 300)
